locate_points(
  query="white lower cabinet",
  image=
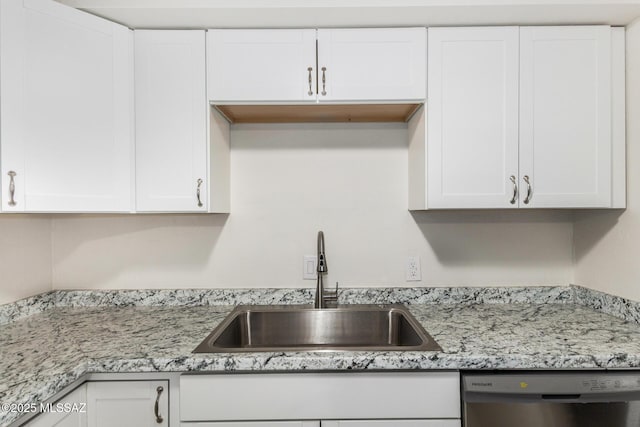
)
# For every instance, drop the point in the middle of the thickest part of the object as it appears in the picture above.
(257, 424)
(110, 404)
(354, 399)
(128, 404)
(333, 423)
(391, 423)
(359, 399)
(65, 418)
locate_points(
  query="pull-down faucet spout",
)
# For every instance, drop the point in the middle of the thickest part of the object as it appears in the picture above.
(322, 261)
(321, 295)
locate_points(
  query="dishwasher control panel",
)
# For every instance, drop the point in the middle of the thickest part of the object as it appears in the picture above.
(552, 383)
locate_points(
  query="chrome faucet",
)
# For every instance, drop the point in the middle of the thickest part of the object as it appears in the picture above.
(322, 296)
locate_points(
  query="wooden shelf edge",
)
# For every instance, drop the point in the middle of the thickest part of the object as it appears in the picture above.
(318, 113)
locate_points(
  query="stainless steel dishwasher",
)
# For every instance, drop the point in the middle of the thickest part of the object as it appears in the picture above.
(563, 399)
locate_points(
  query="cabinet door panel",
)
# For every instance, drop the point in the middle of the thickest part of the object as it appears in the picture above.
(256, 424)
(472, 124)
(127, 403)
(66, 82)
(565, 116)
(371, 64)
(171, 121)
(65, 419)
(391, 423)
(261, 65)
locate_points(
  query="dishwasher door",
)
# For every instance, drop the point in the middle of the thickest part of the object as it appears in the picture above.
(601, 399)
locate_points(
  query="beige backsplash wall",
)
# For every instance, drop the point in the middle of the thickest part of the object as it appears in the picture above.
(25, 256)
(607, 243)
(288, 182)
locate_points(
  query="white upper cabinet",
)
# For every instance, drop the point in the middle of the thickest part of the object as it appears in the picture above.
(529, 117)
(67, 110)
(472, 117)
(171, 121)
(376, 64)
(280, 66)
(565, 116)
(261, 65)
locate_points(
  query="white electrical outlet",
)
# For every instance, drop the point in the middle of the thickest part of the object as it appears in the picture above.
(309, 267)
(412, 270)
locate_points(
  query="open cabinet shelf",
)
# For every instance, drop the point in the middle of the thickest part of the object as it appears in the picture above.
(318, 113)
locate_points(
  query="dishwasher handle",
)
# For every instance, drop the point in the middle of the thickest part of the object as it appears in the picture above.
(562, 397)
(480, 397)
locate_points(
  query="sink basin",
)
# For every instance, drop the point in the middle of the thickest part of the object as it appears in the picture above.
(300, 328)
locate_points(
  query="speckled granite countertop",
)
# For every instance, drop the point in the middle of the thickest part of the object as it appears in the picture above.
(42, 353)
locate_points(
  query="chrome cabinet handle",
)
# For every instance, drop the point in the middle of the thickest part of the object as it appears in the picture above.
(528, 198)
(198, 192)
(12, 188)
(310, 81)
(515, 190)
(156, 407)
(324, 81)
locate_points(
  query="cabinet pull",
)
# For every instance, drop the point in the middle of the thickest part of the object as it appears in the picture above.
(12, 188)
(310, 81)
(528, 198)
(324, 81)
(156, 407)
(515, 190)
(198, 192)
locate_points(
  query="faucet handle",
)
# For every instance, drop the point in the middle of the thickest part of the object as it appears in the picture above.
(332, 295)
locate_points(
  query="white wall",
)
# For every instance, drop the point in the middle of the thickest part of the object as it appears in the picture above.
(607, 244)
(25, 256)
(288, 182)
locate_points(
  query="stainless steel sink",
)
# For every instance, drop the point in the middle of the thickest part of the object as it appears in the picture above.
(300, 328)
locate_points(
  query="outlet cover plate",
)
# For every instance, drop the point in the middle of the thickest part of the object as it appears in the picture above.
(412, 269)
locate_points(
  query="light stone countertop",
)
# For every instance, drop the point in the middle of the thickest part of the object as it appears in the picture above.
(46, 351)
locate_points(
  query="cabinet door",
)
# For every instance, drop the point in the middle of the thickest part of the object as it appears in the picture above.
(171, 121)
(372, 64)
(67, 107)
(128, 403)
(74, 418)
(565, 116)
(472, 118)
(391, 423)
(261, 65)
(256, 424)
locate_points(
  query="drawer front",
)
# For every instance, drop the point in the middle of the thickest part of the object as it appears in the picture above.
(256, 424)
(333, 423)
(391, 423)
(394, 395)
